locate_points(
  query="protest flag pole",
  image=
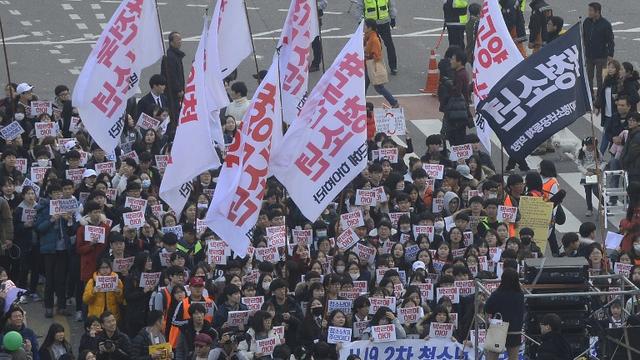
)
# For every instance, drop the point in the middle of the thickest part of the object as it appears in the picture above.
(253, 47)
(6, 64)
(172, 110)
(320, 38)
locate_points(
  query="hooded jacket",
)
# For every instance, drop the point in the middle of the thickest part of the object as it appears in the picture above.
(448, 197)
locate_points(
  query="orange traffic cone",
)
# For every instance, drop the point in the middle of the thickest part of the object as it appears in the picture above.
(433, 75)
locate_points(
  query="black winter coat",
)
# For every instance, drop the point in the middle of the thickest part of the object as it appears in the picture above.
(598, 38)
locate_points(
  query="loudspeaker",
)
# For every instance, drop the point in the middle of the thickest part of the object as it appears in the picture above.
(556, 270)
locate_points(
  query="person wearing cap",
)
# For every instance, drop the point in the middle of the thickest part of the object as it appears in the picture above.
(515, 189)
(553, 345)
(202, 344)
(196, 326)
(87, 185)
(152, 334)
(24, 97)
(465, 172)
(288, 311)
(182, 314)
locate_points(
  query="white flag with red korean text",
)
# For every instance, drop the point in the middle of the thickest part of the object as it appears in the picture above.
(326, 146)
(241, 185)
(192, 152)
(228, 43)
(495, 54)
(294, 47)
(130, 42)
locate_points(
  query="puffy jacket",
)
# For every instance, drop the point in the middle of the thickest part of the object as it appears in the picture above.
(49, 231)
(540, 14)
(88, 251)
(98, 302)
(598, 38)
(631, 153)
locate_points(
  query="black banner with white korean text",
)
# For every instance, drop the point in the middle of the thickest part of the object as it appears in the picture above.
(540, 96)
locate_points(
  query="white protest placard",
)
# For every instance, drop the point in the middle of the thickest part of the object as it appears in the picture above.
(147, 122)
(38, 172)
(134, 219)
(254, 303)
(106, 283)
(44, 129)
(390, 154)
(337, 335)
(450, 292)
(377, 303)
(216, 256)
(161, 163)
(426, 291)
(360, 286)
(131, 155)
(410, 315)
(482, 334)
(11, 131)
(269, 254)
(173, 229)
(41, 107)
(157, 210)
(342, 305)
(381, 195)
(424, 229)
(123, 264)
(266, 346)
(465, 287)
(395, 216)
(220, 245)
(165, 258)
(442, 330)
(108, 167)
(28, 215)
(467, 238)
(111, 194)
(365, 252)
(302, 237)
(351, 220)
(201, 227)
(149, 279)
(74, 175)
(383, 333)
(390, 121)
(277, 236)
(27, 182)
(434, 171)
(21, 165)
(437, 205)
(75, 125)
(613, 240)
(279, 330)
(461, 152)
(238, 318)
(359, 327)
(63, 206)
(507, 213)
(135, 204)
(622, 269)
(347, 239)
(94, 234)
(411, 252)
(365, 197)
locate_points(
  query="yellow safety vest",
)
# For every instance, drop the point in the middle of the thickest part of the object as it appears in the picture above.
(462, 4)
(376, 9)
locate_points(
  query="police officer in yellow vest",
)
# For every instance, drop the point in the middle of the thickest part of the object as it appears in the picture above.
(384, 13)
(455, 18)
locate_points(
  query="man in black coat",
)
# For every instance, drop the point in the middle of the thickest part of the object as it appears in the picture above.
(553, 345)
(173, 70)
(112, 343)
(155, 97)
(598, 42)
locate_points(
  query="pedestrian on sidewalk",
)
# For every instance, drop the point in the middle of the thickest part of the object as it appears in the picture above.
(383, 13)
(373, 51)
(598, 42)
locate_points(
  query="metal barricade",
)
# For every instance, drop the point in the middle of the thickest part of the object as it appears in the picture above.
(614, 188)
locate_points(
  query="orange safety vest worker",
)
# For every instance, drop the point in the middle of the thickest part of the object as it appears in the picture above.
(547, 188)
(174, 331)
(512, 226)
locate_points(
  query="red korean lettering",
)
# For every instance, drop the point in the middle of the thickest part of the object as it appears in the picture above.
(107, 103)
(484, 33)
(124, 28)
(266, 97)
(306, 163)
(302, 17)
(353, 114)
(332, 136)
(257, 175)
(294, 79)
(321, 112)
(352, 65)
(242, 200)
(189, 101)
(262, 129)
(123, 75)
(135, 7)
(332, 94)
(109, 48)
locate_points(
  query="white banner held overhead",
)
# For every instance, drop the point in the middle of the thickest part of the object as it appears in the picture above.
(242, 182)
(326, 147)
(130, 42)
(192, 137)
(294, 47)
(494, 56)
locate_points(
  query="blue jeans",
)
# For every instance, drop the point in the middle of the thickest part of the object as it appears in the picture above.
(380, 89)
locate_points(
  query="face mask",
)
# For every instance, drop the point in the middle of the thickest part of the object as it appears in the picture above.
(146, 183)
(354, 277)
(340, 269)
(492, 196)
(316, 311)
(636, 247)
(266, 285)
(202, 206)
(19, 116)
(43, 162)
(438, 226)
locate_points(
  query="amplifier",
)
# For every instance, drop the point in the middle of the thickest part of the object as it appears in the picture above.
(557, 270)
(572, 321)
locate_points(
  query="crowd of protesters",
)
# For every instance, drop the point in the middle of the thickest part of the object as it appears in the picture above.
(192, 308)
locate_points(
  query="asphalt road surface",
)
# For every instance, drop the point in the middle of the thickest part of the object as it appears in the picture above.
(48, 42)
